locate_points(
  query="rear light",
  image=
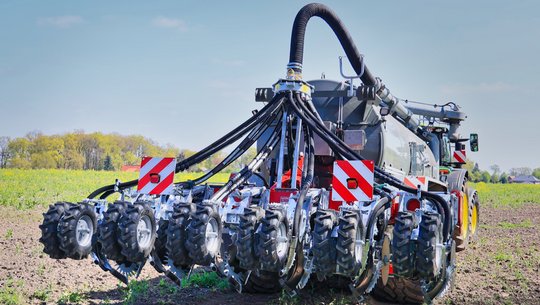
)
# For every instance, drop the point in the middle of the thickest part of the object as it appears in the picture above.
(444, 171)
(352, 183)
(413, 204)
(154, 178)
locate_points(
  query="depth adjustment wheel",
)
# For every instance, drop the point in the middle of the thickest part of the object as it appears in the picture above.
(246, 243)
(177, 235)
(273, 240)
(429, 254)
(349, 244)
(137, 230)
(108, 235)
(49, 230)
(324, 246)
(204, 235)
(402, 246)
(76, 230)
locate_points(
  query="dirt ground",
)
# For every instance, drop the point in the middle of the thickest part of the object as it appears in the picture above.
(501, 267)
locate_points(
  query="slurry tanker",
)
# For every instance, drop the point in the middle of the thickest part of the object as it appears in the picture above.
(350, 186)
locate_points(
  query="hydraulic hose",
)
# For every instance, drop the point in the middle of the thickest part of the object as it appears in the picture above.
(247, 171)
(296, 56)
(338, 145)
(205, 153)
(254, 135)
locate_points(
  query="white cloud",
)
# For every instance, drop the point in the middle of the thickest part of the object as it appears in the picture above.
(60, 21)
(171, 23)
(496, 87)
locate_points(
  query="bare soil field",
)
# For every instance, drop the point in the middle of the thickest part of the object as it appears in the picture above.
(501, 267)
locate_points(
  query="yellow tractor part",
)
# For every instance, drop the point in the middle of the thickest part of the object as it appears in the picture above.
(473, 214)
(464, 211)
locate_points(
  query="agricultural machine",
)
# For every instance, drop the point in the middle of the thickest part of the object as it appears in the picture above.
(350, 186)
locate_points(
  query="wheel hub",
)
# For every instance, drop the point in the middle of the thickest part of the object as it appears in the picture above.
(144, 232)
(84, 230)
(212, 238)
(358, 246)
(281, 241)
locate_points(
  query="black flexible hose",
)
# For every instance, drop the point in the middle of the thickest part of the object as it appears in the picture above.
(337, 145)
(254, 135)
(306, 183)
(247, 171)
(299, 32)
(205, 153)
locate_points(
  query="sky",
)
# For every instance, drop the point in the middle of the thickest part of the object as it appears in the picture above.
(184, 72)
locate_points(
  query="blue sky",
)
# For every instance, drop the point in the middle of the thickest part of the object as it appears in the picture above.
(184, 72)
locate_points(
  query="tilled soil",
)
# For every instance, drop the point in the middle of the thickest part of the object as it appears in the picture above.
(501, 267)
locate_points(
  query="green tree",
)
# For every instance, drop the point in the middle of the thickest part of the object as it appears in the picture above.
(536, 172)
(486, 177)
(107, 164)
(19, 150)
(4, 151)
(503, 178)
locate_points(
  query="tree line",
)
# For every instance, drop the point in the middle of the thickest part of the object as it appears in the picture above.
(496, 175)
(93, 151)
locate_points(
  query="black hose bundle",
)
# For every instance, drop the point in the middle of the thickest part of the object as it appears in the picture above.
(231, 137)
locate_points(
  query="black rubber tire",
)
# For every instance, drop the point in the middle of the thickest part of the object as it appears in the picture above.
(177, 235)
(247, 239)
(324, 246)
(108, 235)
(399, 291)
(196, 232)
(349, 223)
(127, 228)
(263, 282)
(49, 230)
(402, 247)
(267, 247)
(67, 227)
(160, 245)
(430, 231)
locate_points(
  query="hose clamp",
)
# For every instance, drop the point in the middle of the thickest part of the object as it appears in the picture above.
(293, 85)
(294, 71)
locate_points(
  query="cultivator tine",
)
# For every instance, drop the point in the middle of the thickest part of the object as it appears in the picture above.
(123, 278)
(173, 275)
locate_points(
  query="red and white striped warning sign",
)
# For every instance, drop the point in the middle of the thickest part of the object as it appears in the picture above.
(460, 156)
(156, 176)
(414, 182)
(353, 181)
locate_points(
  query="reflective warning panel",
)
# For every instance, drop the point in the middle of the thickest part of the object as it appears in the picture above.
(415, 181)
(460, 156)
(353, 181)
(156, 176)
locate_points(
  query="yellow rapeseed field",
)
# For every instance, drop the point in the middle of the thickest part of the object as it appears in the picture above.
(25, 189)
